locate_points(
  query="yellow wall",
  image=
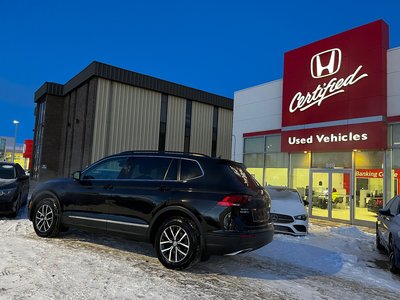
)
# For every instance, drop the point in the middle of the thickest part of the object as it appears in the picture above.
(19, 159)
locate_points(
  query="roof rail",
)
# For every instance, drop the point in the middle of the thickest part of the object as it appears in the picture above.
(164, 152)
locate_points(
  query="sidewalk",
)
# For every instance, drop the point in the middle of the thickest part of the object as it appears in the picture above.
(322, 222)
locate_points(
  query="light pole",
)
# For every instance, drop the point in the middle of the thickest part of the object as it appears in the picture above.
(16, 122)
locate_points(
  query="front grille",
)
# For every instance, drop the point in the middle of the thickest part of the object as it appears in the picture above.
(300, 228)
(278, 218)
(283, 229)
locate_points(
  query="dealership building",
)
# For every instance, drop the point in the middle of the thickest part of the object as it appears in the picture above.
(104, 110)
(331, 127)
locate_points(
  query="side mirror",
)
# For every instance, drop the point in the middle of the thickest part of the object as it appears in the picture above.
(77, 175)
(306, 202)
(385, 212)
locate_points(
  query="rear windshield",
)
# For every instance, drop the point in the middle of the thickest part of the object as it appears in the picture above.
(283, 194)
(244, 176)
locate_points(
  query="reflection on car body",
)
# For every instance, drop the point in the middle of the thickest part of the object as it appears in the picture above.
(388, 232)
(287, 211)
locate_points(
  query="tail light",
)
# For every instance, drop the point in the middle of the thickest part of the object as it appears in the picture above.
(234, 200)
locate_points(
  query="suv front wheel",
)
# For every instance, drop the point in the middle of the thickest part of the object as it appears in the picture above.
(177, 243)
(45, 218)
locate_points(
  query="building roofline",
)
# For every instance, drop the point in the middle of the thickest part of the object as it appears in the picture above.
(105, 71)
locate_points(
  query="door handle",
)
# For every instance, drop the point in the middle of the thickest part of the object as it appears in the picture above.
(108, 187)
(164, 188)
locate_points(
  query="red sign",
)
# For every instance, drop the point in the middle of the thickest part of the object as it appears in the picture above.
(28, 144)
(339, 78)
(336, 138)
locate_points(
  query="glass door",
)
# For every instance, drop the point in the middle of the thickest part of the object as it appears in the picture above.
(319, 188)
(330, 194)
(341, 196)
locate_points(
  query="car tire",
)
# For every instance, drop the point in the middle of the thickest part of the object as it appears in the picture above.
(46, 217)
(392, 259)
(177, 243)
(379, 246)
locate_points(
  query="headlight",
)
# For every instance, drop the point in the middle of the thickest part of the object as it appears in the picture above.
(301, 217)
(7, 192)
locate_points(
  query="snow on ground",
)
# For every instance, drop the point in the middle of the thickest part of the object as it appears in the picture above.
(329, 263)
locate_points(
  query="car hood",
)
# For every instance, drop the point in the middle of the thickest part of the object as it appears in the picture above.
(287, 207)
(7, 183)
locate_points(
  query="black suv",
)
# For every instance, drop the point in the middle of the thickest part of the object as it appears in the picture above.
(187, 205)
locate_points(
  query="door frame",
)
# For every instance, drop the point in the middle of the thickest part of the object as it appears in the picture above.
(351, 196)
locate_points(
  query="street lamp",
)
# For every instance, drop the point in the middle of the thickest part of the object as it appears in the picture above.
(16, 122)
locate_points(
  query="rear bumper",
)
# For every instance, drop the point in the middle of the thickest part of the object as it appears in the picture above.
(226, 242)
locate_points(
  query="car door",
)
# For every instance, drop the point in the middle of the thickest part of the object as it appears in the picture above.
(386, 220)
(86, 200)
(23, 181)
(135, 198)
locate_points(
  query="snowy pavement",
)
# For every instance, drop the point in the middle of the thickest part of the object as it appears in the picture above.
(329, 263)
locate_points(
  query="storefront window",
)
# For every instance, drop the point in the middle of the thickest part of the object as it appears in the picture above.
(254, 163)
(265, 161)
(254, 145)
(300, 172)
(276, 169)
(368, 184)
(331, 160)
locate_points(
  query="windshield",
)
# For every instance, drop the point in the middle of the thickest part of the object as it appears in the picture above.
(283, 194)
(7, 172)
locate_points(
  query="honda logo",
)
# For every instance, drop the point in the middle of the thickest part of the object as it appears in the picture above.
(326, 63)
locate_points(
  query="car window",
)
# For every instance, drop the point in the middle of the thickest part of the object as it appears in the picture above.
(150, 168)
(108, 169)
(20, 171)
(244, 177)
(7, 172)
(389, 204)
(172, 172)
(394, 208)
(190, 169)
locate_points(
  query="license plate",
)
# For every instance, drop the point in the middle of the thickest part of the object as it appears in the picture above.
(259, 214)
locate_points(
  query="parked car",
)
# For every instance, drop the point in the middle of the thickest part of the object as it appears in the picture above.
(14, 188)
(288, 213)
(187, 205)
(388, 232)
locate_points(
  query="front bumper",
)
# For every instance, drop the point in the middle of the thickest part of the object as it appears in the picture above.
(230, 243)
(295, 228)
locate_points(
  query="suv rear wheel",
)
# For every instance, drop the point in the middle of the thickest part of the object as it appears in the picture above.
(177, 243)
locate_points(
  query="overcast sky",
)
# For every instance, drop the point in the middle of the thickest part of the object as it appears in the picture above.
(216, 46)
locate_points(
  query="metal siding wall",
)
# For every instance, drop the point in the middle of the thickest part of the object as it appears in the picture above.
(224, 137)
(100, 137)
(127, 118)
(175, 136)
(201, 128)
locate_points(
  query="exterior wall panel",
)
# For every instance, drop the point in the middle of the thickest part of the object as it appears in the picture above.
(127, 118)
(224, 136)
(78, 128)
(100, 133)
(201, 128)
(175, 136)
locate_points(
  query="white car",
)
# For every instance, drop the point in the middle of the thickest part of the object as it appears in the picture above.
(287, 211)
